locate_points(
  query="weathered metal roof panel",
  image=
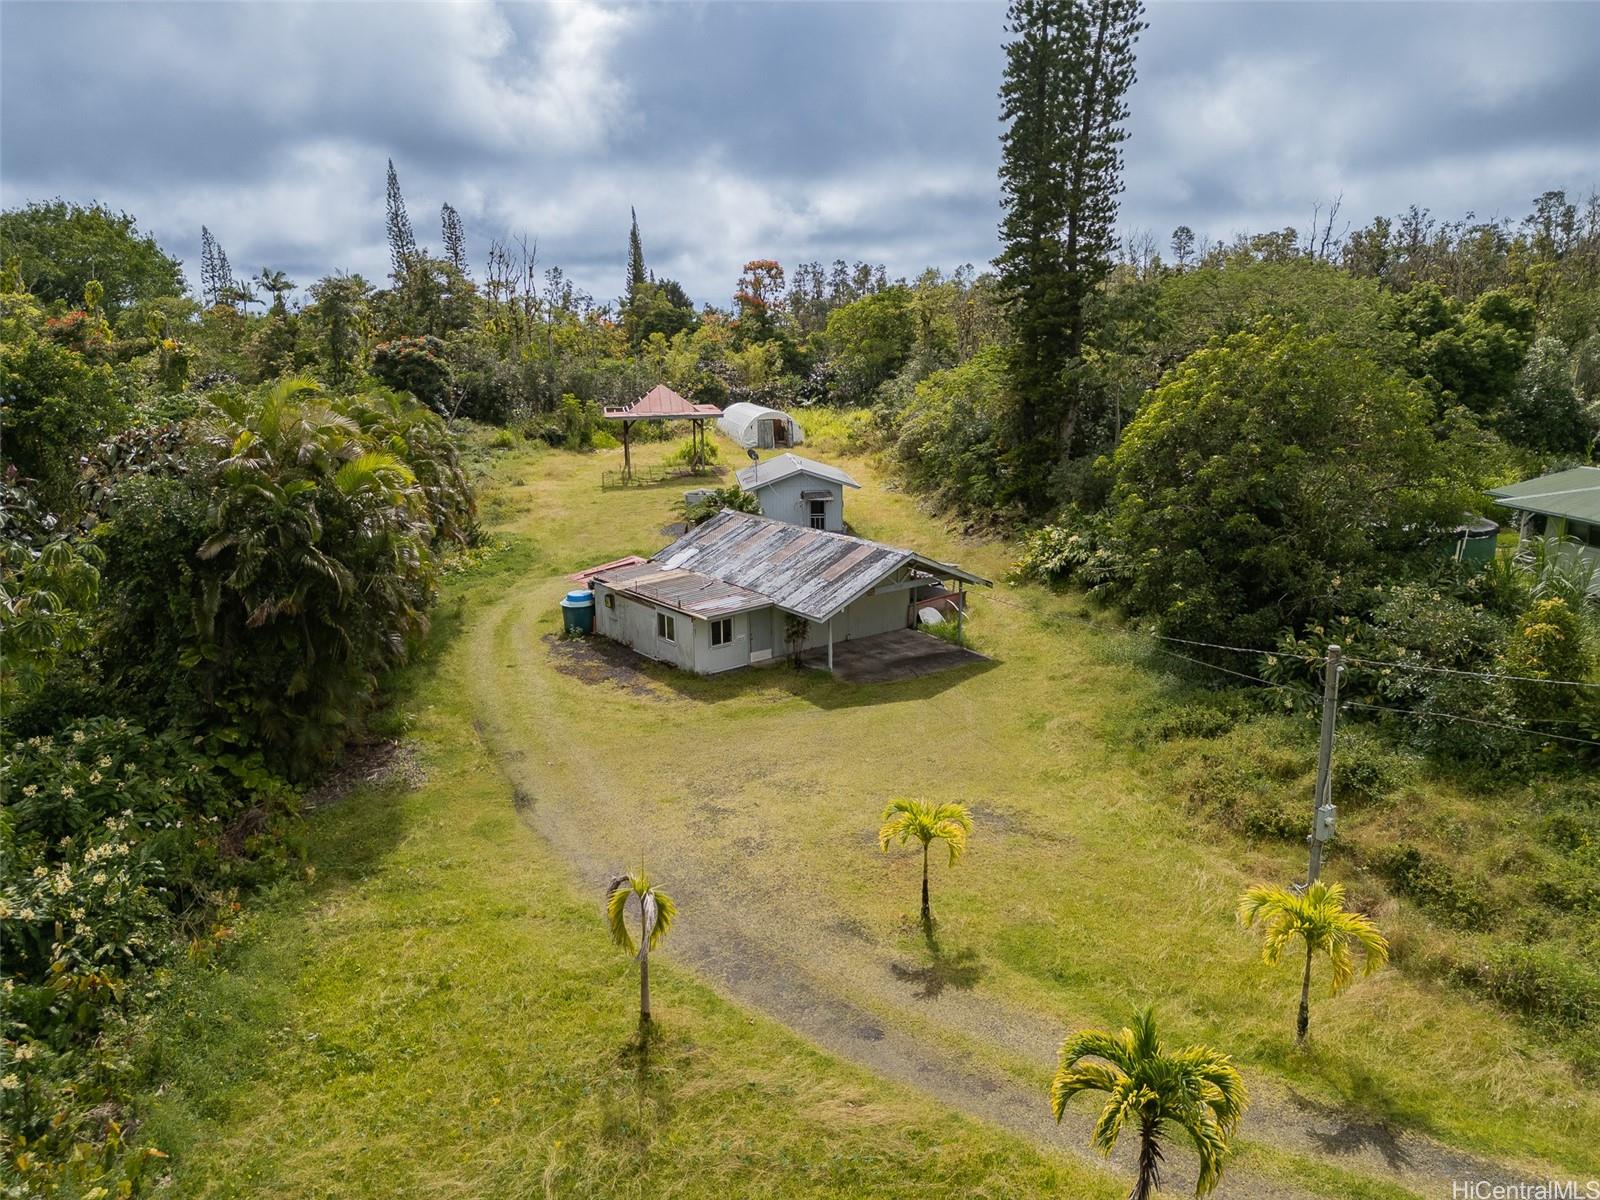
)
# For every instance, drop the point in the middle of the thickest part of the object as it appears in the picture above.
(781, 466)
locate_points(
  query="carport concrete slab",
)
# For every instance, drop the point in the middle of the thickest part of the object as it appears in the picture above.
(887, 657)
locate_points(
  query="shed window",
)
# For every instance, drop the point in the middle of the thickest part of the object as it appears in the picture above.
(819, 514)
(611, 601)
(722, 632)
(666, 628)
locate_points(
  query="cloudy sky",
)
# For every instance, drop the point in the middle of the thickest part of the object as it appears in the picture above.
(745, 130)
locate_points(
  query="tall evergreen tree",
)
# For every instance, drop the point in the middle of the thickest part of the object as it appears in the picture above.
(1068, 70)
(211, 283)
(455, 238)
(402, 239)
(636, 274)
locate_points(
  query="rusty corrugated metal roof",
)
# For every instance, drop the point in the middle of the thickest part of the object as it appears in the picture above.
(659, 404)
(684, 591)
(810, 572)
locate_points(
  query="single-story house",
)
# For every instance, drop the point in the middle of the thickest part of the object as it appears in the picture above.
(799, 490)
(743, 589)
(1564, 504)
(756, 427)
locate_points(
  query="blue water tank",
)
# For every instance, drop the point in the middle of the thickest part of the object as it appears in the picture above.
(577, 612)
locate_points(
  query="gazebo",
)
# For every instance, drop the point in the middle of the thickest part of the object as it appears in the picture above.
(661, 403)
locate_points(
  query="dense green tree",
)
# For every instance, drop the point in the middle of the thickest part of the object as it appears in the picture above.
(417, 365)
(657, 308)
(871, 338)
(1543, 411)
(59, 247)
(1069, 66)
(340, 314)
(1269, 472)
(58, 406)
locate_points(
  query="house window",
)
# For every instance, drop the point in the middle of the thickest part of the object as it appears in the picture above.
(819, 514)
(722, 632)
(666, 628)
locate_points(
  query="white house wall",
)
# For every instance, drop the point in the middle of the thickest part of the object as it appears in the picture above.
(781, 500)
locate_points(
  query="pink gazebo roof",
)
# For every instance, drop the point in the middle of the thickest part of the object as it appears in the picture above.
(661, 403)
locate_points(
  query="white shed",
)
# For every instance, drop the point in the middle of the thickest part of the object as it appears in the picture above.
(799, 490)
(757, 427)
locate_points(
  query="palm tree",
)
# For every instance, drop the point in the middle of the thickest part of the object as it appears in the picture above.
(1194, 1089)
(656, 911)
(1317, 917)
(925, 821)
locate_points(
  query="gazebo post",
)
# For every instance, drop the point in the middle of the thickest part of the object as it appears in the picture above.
(627, 458)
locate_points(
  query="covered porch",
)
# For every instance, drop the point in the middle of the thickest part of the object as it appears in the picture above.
(890, 657)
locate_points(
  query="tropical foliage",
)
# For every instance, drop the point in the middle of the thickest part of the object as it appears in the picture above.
(1317, 920)
(1154, 1092)
(656, 911)
(926, 821)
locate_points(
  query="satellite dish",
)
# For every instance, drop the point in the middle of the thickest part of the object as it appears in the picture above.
(754, 457)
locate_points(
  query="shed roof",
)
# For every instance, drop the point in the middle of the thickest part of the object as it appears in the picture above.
(764, 474)
(810, 572)
(661, 403)
(685, 591)
(1574, 494)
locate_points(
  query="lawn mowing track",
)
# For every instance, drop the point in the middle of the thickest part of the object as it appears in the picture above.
(789, 957)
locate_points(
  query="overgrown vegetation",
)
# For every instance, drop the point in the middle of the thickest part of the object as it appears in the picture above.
(204, 587)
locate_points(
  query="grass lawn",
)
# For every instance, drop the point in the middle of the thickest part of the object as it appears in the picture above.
(439, 1012)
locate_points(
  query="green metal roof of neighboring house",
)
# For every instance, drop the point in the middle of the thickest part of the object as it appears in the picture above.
(1574, 494)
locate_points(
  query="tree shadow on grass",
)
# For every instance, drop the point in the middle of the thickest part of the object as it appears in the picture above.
(640, 1105)
(959, 969)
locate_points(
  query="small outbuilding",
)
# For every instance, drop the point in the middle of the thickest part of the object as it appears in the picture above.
(1563, 504)
(743, 589)
(799, 490)
(756, 427)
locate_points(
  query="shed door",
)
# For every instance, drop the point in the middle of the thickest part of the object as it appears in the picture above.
(780, 433)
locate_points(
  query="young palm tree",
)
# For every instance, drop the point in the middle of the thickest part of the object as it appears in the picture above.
(1194, 1090)
(925, 821)
(1318, 918)
(656, 911)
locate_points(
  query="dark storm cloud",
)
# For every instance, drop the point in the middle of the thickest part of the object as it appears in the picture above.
(791, 131)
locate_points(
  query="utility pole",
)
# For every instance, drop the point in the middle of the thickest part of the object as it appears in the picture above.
(1322, 808)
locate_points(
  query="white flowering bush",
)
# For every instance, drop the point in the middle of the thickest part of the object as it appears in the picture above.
(112, 838)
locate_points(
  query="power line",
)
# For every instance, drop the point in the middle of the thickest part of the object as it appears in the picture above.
(1256, 679)
(1376, 662)
(1313, 659)
(1433, 716)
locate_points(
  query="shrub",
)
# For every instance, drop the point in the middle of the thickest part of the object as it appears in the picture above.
(1462, 903)
(416, 365)
(715, 500)
(1078, 549)
(1538, 981)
